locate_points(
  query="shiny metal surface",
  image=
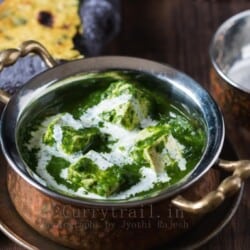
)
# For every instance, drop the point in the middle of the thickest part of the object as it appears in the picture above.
(230, 45)
(4, 97)
(10, 56)
(228, 187)
(229, 78)
(16, 229)
(41, 90)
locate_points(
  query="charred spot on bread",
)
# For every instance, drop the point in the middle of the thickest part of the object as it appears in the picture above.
(55, 24)
(45, 18)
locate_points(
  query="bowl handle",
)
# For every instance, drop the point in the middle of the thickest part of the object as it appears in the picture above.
(10, 56)
(229, 186)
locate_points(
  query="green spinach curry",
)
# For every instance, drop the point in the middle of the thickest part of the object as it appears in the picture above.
(120, 138)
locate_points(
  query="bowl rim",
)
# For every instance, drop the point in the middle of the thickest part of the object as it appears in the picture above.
(222, 29)
(32, 88)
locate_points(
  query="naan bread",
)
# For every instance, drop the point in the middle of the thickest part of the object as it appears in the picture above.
(52, 23)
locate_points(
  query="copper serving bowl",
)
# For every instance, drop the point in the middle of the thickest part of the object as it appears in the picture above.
(99, 224)
(229, 75)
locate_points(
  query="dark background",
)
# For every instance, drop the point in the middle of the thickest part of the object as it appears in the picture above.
(178, 32)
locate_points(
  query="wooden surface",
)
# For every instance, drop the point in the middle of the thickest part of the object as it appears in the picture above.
(178, 32)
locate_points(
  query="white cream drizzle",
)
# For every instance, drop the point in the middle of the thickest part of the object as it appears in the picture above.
(120, 153)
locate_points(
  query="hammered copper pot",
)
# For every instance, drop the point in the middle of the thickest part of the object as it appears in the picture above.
(229, 52)
(101, 224)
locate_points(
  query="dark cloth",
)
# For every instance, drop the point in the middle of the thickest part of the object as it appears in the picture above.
(101, 21)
